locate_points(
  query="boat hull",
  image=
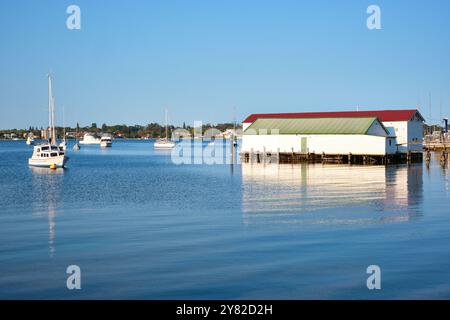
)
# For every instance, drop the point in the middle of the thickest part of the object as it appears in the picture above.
(59, 162)
(166, 145)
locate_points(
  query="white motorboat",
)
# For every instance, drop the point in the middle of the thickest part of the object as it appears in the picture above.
(105, 142)
(164, 143)
(90, 138)
(49, 154)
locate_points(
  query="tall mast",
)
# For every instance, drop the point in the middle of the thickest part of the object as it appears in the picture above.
(167, 134)
(430, 105)
(234, 119)
(64, 126)
(51, 112)
(50, 108)
(53, 122)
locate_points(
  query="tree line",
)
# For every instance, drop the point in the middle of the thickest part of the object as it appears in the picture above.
(151, 130)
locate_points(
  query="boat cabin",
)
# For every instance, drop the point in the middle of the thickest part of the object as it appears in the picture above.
(48, 151)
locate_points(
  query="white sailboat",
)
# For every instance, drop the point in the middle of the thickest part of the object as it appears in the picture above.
(30, 140)
(49, 154)
(63, 143)
(76, 146)
(164, 143)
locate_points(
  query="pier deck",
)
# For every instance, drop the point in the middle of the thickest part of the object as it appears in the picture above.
(436, 146)
(292, 157)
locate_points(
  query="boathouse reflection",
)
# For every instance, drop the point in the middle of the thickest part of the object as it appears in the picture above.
(331, 194)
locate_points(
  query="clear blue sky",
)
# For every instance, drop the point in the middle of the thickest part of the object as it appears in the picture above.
(202, 59)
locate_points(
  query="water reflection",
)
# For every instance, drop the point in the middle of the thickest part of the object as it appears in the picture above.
(331, 194)
(46, 188)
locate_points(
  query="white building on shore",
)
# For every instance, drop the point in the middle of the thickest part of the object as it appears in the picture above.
(356, 132)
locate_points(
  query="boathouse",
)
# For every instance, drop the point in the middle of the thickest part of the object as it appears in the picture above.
(366, 136)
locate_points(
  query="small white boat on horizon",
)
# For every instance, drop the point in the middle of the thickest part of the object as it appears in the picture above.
(164, 143)
(90, 138)
(105, 142)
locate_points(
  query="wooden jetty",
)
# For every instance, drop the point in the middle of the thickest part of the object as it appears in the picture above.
(436, 146)
(293, 157)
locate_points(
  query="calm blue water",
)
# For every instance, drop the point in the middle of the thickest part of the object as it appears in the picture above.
(142, 227)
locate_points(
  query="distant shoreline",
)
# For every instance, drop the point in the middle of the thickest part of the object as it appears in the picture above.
(133, 139)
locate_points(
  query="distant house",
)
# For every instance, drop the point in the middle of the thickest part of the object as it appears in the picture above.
(119, 134)
(339, 132)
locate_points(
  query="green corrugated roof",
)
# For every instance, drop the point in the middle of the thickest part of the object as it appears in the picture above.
(312, 125)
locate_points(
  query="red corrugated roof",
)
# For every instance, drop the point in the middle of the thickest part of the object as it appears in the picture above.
(382, 115)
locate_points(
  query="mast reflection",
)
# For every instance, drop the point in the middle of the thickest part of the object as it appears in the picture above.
(46, 187)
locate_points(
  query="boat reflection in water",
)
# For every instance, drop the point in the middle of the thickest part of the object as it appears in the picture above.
(47, 186)
(331, 194)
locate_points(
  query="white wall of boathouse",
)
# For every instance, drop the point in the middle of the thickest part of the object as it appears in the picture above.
(322, 143)
(409, 134)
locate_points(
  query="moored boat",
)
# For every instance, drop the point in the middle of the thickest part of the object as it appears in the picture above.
(76, 146)
(164, 143)
(105, 142)
(30, 140)
(49, 154)
(63, 145)
(90, 138)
